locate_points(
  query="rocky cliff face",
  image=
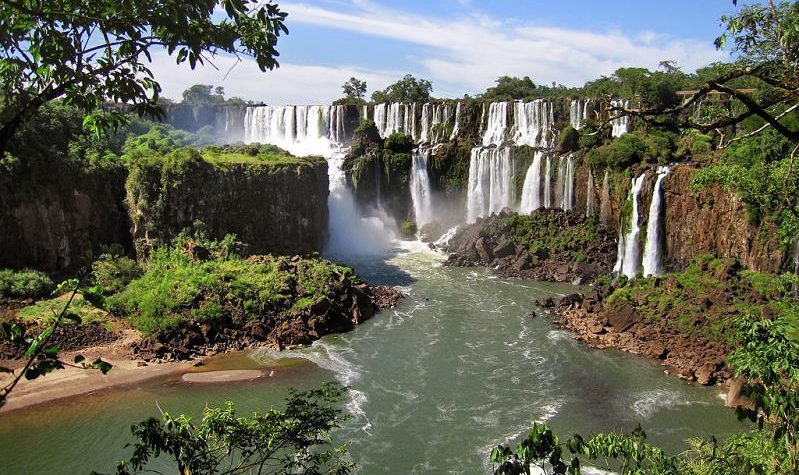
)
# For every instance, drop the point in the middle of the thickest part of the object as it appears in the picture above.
(273, 208)
(60, 223)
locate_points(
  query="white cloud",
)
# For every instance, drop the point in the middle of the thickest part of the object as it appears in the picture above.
(462, 54)
(469, 53)
(289, 84)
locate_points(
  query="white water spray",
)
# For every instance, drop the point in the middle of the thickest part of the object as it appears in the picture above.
(490, 176)
(629, 250)
(421, 194)
(652, 264)
(532, 189)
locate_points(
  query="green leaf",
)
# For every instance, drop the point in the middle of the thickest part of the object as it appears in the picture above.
(103, 366)
(73, 318)
(79, 359)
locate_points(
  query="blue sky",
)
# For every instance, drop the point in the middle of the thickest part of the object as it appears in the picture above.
(462, 46)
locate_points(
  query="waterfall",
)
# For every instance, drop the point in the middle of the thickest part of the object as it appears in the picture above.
(621, 125)
(532, 189)
(604, 200)
(564, 189)
(490, 176)
(349, 233)
(548, 183)
(653, 261)
(497, 124)
(434, 118)
(629, 250)
(421, 193)
(532, 121)
(578, 112)
(302, 130)
(590, 199)
(457, 126)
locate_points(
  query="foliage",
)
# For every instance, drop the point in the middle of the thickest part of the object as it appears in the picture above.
(699, 300)
(354, 92)
(24, 284)
(633, 148)
(568, 140)
(112, 272)
(198, 279)
(407, 89)
(510, 88)
(47, 310)
(768, 356)
(203, 95)
(41, 358)
(92, 52)
(543, 235)
(294, 440)
(399, 142)
(769, 189)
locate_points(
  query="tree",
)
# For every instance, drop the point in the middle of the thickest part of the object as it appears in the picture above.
(765, 39)
(511, 88)
(200, 95)
(354, 91)
(271, 442)
(88, 53)
(407, 89)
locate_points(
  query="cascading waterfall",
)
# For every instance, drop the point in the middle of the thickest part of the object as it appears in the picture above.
(532, 189)
(604, 200)
(652, 263)
(531, 122)
(629, 250)
(496, 124)
(590, 199)
(578, 112)
(302, 130)
(621, 124)
(565, 184)
(434, 118)
(490, 176)
(548, 183)
(457, 126)
(421, 193)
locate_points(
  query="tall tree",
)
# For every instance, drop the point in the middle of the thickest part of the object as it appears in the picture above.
(354, 90)
(407, 89)
(90, 52)
(509, 88)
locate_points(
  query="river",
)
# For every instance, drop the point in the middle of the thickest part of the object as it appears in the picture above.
(458, 367)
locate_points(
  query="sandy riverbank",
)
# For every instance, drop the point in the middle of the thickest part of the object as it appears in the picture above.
(71, 382)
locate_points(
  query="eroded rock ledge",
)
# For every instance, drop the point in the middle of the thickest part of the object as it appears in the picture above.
(549, 244)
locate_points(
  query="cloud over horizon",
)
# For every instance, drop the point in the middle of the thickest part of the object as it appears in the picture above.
(459, 54)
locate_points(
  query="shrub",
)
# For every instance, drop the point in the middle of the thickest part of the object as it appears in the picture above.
(24, 284)
(399, 142)
(113, 272)
(568, 140)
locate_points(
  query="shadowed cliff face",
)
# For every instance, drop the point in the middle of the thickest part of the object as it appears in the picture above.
(273, 209)
(61, 224)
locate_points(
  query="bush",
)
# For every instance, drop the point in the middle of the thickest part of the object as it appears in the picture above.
(113, 272)
(399, 142)
(24, 284)
(568, 140)
(196, 279)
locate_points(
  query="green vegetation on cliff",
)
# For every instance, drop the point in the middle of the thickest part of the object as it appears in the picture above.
(200, 280)
(706, 297)
(24, 284)
(545, 234)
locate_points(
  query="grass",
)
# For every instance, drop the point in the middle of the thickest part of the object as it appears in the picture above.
(178, 286)
(710, 291)
(45, 310)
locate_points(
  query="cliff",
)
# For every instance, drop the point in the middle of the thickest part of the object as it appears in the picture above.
(273, 204)
(58, 222)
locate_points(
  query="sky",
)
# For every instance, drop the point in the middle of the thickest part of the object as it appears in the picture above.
(461, 46)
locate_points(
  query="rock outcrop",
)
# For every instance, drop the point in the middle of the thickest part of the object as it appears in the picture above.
(549, 244)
